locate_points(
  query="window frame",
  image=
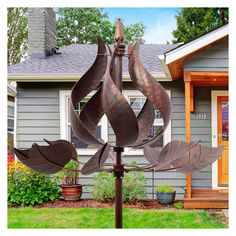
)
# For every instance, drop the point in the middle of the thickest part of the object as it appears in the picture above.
(167, 134)
(63, 101)
(11, 104)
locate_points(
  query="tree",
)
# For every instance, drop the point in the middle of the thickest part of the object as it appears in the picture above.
(194, 22)
(84, 25)
(17, 34)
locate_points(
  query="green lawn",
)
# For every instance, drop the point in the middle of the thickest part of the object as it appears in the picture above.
(104, 218)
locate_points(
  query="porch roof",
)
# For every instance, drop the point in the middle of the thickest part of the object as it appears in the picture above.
(175, 57)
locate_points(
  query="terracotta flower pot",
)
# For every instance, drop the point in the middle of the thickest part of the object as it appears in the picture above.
(71, 192)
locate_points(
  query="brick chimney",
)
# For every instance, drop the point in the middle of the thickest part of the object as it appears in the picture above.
(42, 32)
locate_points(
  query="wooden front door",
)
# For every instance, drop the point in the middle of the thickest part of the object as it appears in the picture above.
(223, 139)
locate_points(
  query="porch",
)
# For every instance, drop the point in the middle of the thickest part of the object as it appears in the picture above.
(217, 197)
(207, 198)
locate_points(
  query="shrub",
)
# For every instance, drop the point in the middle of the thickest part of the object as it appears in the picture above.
(28, 187)
(165, 188)
(178, 205)
(133, 187)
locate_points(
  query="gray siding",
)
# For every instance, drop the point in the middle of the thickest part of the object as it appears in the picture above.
(214, 58)
(38, 117)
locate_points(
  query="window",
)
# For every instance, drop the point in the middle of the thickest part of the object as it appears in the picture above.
(66, 130)
(10, 117)
(137, 100)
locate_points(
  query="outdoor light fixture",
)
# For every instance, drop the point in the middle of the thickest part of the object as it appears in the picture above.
(130, 131)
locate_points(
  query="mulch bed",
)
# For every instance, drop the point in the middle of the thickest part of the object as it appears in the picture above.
(90, 203)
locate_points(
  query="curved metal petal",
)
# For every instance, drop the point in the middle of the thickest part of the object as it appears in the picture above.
(45, 159)
(198, 158)
(94, 163)
(89, 81)
(118, 112)
(92, 112)
(170, 153)
(22, 155)
(151, 154)
(74, 154)
(145, 120)
(151, 89)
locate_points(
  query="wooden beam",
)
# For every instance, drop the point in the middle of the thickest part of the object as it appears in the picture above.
(191, 98)
(207, 78)
(188, 127)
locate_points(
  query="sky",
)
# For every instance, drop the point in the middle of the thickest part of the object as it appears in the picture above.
(159, 22)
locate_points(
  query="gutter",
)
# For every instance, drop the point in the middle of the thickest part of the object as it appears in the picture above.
(68, 77)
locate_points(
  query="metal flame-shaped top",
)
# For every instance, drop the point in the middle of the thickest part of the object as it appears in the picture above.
(119, 32)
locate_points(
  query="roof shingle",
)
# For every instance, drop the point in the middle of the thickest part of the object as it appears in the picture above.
(77, 58)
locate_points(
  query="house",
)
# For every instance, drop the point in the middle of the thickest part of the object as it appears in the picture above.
(194, 74)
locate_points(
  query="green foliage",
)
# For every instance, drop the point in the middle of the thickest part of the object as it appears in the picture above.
(194, 22)
(84, 25)
(165, 188)
(28, 187)
(17, 34)
(133, 187)
(178, 205)
(69, 177)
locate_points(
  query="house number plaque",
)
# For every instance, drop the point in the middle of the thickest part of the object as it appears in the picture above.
(201, 116)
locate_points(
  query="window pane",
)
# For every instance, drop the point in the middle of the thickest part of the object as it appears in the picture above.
(78, 143)
(10, 111)
(10, 125)
(225, 121)
(137, 103)
(158, 114)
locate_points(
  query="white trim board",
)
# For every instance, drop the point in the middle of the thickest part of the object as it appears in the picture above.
(196, 44)
(214, 95)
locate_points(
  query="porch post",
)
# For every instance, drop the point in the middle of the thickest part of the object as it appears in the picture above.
(188, 108)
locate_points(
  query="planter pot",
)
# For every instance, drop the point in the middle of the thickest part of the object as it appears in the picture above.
(71, 192)
(166, 198)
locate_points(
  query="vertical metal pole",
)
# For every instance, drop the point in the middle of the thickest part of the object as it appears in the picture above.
(118, 197)
(118, 167)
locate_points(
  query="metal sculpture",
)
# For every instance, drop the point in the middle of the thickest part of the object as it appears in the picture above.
(130, 131)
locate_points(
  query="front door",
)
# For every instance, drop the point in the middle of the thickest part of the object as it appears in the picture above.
(223, 139)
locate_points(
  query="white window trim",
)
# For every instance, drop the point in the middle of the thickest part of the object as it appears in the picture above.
(12, 104)
(63, 95)
(167, 133)
(214, 125)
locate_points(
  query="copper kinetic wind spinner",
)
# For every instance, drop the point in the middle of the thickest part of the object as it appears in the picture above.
(130, 131)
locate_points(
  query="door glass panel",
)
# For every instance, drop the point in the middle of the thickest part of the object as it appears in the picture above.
(225, 121)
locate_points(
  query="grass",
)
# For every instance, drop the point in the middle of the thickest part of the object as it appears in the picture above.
(30, 217)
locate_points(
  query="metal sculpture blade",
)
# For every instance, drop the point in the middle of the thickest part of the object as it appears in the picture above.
(69, 145)
(171, 151)
(45, 159)
(94, 163)
(118, 112)
(198, 158)
(151, 89)
(83, 127)
(182, 156)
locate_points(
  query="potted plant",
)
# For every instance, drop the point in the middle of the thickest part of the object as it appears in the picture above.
(71, 189)
(165, 194)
